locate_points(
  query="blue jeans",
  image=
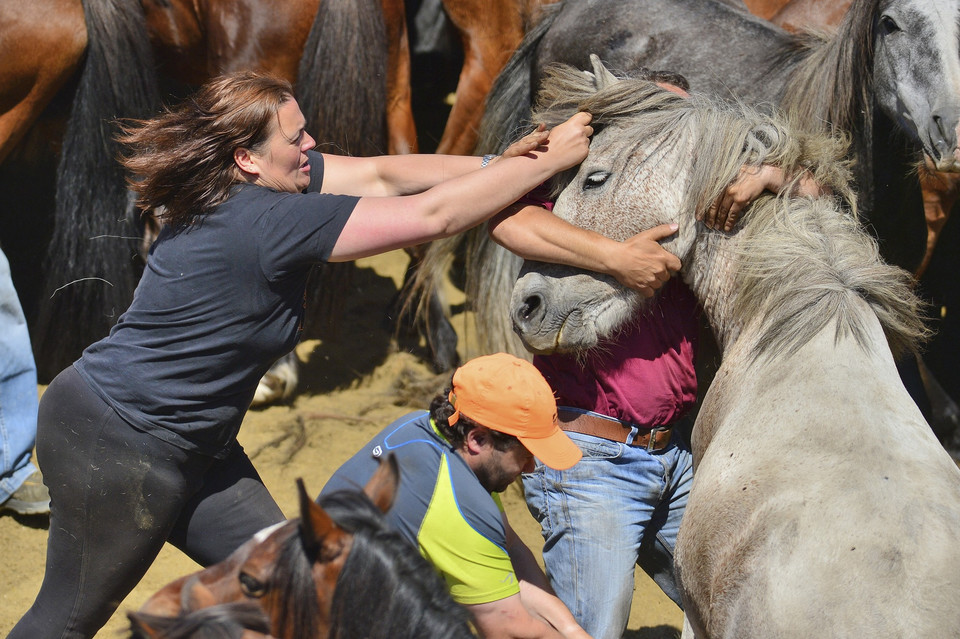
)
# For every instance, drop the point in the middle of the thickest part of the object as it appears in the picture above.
(18, 389)
(619, 507)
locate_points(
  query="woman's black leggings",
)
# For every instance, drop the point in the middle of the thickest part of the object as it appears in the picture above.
(117, 494)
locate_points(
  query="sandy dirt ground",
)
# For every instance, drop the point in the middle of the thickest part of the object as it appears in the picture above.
(353, 383)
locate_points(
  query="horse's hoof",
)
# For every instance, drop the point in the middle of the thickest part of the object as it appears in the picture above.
(279, 383)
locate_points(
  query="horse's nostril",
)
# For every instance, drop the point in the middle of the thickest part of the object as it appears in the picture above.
(530, 306)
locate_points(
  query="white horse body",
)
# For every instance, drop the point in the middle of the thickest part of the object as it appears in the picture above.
(822, 504)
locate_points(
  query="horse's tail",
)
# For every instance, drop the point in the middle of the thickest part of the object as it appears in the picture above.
(491, 272)
(92, 262)
(490, 269)
(342, 91)
(342, 80)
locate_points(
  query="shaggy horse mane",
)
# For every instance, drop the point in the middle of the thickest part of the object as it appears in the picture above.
(386, 588)
(801, 262)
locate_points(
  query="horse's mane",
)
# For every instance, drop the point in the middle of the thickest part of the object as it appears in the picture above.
(223, 621)
(801, 262)
(386, 588)
(829, 87)
(296, 591)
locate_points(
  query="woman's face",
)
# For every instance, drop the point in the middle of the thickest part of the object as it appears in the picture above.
(283, 164)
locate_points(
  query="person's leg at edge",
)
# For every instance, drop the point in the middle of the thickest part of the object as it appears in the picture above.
(660, 538)
(593, 518)
(115, 494)
(18, 400)
(232, 505)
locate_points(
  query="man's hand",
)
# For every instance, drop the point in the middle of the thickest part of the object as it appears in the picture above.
(752, 181)
(642, 264)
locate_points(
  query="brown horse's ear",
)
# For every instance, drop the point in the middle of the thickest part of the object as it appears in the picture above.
(320, 535)
(382, 487)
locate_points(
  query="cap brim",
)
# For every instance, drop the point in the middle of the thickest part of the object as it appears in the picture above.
(556, 450)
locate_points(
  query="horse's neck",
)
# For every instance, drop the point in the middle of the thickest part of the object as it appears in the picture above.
(824, 370)
(709, 272)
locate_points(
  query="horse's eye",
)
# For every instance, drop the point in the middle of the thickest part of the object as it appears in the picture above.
(251, 586)
(595, 180)
(888, 25)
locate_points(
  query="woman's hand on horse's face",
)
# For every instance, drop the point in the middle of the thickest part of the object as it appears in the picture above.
(569, 143)
(530, 142)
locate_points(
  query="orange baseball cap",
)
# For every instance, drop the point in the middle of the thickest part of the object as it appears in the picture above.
(508, 394)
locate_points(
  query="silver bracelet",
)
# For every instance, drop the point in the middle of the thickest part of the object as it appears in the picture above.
(486, 159)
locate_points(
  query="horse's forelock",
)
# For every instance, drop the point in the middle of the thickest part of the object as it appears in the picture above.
(386, 588)
(296, 590)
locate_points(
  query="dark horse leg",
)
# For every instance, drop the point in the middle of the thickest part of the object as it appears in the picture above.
(432, 324)
(938, 285)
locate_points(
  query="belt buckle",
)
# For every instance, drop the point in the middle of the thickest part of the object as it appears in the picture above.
(652, 442)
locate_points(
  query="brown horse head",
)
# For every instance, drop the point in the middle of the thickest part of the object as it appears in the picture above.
(289, 570)
(203, 618)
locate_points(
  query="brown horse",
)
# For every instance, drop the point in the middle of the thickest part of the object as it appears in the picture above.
(794, 15)
(337, 571)
(93, 60)
(203, 618)
(490, 30)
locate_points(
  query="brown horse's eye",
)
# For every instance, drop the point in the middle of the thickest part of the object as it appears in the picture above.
(251, 586)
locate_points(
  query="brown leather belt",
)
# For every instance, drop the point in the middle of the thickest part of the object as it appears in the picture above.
(612, 429)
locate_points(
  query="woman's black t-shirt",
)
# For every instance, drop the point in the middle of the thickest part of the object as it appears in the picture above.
(218, 303)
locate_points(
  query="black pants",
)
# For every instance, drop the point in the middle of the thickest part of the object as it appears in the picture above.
(117, 494)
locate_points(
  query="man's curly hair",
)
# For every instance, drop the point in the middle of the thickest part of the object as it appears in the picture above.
(440, 411)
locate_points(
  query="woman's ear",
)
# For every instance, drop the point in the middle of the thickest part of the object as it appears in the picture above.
(246, 161)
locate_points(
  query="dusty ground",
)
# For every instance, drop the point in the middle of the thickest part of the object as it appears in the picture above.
(351, 386)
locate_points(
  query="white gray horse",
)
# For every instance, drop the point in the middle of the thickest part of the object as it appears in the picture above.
(822, 504)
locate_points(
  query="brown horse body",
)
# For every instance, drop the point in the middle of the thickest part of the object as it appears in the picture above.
(41, 48)
(54, 49)
(794, 15)
(490, 30)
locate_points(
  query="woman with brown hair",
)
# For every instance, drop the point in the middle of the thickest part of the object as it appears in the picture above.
(137, 440)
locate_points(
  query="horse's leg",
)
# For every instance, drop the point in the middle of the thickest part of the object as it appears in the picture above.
(940, 192)
(489, 37)
(38, 56)
(280, 382)
(401, 129)
(688, 632)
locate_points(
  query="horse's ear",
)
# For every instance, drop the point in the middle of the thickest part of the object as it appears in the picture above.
(320, 535)
(382, 487)
(602, 77)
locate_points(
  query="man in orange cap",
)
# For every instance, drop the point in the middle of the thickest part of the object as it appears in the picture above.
(476, 439)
